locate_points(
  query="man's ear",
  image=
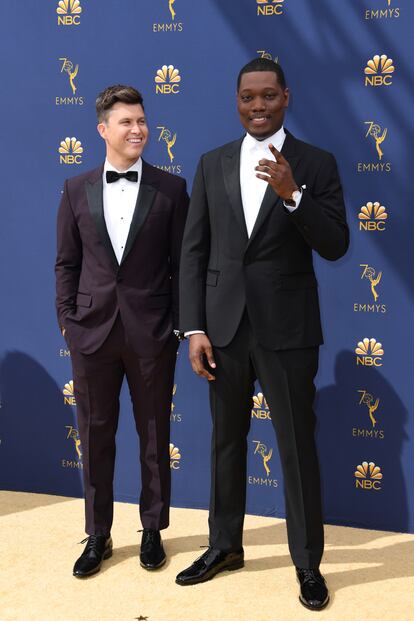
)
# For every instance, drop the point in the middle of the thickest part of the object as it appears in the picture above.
(101, 127)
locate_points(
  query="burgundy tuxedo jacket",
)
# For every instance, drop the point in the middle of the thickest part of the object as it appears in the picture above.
(92, 287)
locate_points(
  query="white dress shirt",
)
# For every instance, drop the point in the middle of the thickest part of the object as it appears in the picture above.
(119, 199)
(252, 188)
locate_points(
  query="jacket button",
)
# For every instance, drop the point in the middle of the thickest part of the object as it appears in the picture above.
(119, 279)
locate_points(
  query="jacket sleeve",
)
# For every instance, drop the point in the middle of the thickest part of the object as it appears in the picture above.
(68, 259)
(320, 216)
(177, 231)
(194, 258)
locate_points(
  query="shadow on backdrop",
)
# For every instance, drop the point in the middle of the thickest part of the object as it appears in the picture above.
(353, 427)
(37, 452)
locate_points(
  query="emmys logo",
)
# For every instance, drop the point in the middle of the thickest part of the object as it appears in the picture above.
(169, 140)
(369, 273)
(368, 476)
(379, 70)
(369, 352)
(167, 80)
(383, 13)
(71, 70)
(372, 217)
(371, 404)
(73, 434)
(374, 130)
(261, 450)
(265, 455)
(260, 408)
(374, 279)
(267, 55)
(378, 135)
(173, 25)
(368, 400)
(174, 417)
(68, 394)
(175, 457)
(70, 151)
(68, 12)
(269, 7)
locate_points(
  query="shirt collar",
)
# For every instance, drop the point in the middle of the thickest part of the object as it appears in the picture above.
(277, 139)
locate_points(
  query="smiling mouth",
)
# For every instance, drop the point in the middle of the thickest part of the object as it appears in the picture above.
(134, 140)
(258, 120)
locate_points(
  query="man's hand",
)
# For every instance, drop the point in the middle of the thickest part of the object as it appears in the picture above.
(278, 174)
(200, 349)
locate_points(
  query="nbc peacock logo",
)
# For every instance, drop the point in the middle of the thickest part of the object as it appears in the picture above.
(70, 151)
(175, 457)
(270, 7)
(260, 408)
(68, 12)
(379, 70)
(369, 353)
(167, 80)
(368, 476)
(69, 393)
(372, 217)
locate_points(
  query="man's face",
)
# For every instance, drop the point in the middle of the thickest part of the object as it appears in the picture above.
(261, 103)
(125, 132)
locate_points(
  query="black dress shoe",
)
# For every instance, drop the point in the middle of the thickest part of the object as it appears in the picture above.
(98, 548)
(209, 564)
(313, 592)
(152, 555)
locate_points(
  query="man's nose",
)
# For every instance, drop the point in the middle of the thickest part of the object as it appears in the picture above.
(136, 129)
(258, 103)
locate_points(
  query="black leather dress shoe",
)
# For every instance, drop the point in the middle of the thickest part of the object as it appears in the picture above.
(98, 548)
(313, 592)
(152, 555)
(209, 564)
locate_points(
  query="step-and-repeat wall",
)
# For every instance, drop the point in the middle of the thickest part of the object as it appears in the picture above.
(349, 67)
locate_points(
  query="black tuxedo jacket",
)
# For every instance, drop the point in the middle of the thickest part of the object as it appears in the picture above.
(223, 271)
(92, 288)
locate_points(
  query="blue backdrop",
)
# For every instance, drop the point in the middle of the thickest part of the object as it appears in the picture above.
(347, 97)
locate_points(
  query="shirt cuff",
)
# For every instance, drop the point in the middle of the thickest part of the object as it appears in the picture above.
(190, 332)
(292, 208)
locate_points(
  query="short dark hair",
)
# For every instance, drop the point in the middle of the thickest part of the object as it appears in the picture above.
(111, 95)
(263, 64)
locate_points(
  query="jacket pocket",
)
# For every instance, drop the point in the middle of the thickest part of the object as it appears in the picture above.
(84, 299)
(212, 278)
(305, 280)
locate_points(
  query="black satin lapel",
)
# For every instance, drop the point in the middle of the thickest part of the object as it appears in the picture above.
(231, 174)
(95, 203)
(144, 202)
(270, 201)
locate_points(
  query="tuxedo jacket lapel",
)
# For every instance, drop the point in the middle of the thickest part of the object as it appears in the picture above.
(231, 173)
(94, 188)
(144, 202)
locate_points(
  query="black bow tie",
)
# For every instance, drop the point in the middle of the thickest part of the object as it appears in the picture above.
(112, 176)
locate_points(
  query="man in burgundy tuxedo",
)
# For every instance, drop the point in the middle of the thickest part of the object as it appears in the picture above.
(119, 235)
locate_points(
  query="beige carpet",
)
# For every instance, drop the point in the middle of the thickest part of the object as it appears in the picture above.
(370, 573)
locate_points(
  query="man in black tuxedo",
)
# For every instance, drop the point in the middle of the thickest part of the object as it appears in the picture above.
(119, 234)
(249, 303)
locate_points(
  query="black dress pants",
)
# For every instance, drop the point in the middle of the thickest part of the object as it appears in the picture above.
(97, 380)
(287, 380)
